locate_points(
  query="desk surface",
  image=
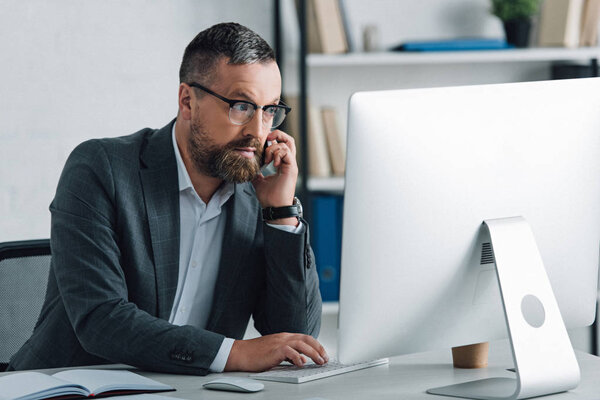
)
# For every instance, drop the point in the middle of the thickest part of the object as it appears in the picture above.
(405, 377)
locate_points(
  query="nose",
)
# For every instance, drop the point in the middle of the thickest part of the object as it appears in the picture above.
(255, 126)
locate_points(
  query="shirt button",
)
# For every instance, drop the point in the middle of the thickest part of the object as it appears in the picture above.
(194, 264)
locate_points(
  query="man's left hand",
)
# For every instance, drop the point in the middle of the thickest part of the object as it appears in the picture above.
(278, 190)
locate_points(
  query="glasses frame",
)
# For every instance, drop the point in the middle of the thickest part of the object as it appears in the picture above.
(231, 102)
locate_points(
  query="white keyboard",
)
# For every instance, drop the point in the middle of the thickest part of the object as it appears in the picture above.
(310, 372)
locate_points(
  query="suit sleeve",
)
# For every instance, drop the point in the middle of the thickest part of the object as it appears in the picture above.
(92, 282)
(291, 301)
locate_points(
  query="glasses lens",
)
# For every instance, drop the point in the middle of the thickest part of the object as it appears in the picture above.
(240, 113)
(276, 116)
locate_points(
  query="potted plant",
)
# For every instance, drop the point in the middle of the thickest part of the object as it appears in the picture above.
(516, 17)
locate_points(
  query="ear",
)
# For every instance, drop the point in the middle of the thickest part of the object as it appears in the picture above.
(185, 101)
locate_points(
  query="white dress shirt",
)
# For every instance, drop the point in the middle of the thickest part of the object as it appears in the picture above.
(202, 227)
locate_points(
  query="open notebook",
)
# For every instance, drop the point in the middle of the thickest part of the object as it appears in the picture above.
(76, 383)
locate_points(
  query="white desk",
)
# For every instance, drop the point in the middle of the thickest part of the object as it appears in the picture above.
(406, 377)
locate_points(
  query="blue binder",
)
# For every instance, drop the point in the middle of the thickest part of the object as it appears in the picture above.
(327, 243)
(455, 45)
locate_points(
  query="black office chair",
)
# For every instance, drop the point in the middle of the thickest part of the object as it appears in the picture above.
(24, 269)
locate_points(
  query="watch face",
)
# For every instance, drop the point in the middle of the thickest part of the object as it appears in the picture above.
(298, 205)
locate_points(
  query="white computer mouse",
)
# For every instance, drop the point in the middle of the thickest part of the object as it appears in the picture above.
(234, 384)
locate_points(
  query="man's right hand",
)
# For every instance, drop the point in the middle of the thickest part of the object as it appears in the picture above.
(260, 354)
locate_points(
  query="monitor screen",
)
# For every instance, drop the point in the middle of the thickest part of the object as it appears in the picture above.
(425, 168)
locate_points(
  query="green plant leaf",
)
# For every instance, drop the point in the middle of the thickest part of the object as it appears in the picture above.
(508, 10)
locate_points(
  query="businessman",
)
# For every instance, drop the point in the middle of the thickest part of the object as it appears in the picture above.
(165, 242)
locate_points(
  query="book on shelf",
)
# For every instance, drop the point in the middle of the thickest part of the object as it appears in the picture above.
(335, 140)
(326, 32)
(326, 142)
(560, 23)
(346, 25)
(318, 158)
(589, 23)
(312, 32)
(76, 383)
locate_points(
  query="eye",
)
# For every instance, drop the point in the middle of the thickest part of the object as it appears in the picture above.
(270, 110)
(241, 107)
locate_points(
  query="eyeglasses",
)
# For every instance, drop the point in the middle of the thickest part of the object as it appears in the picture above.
(241, 111)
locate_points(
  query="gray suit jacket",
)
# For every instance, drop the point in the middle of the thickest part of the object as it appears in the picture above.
(115, 261)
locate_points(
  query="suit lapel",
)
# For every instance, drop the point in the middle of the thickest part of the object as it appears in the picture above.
(161, 196)
(239, 234)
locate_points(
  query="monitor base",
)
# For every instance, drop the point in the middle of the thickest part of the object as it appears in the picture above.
(544, 359)
(490, 388)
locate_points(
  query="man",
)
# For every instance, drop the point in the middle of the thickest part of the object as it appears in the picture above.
(160, 253)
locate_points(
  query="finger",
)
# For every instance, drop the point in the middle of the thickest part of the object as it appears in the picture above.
(284, 138)
(282, 154)
(278, 155)
(314, 343)
(291, 362)
(294, 356)
(274, 150)
(290, 142)
(310, 351)
(270, 151)
(274, 134)
(268, 155)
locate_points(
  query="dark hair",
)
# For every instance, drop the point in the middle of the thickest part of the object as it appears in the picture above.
(230, 40)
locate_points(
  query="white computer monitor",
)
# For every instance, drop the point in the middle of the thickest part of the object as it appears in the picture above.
(425, 168)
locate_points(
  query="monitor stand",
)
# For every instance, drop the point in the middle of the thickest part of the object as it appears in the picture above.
(544, 359)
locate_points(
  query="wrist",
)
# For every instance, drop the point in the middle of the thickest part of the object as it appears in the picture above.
(278, 203)
(235, 360)
(293, 221)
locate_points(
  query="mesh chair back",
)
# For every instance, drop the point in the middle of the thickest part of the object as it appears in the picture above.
(24, 269)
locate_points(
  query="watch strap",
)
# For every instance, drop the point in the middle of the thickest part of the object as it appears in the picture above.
(271, 213)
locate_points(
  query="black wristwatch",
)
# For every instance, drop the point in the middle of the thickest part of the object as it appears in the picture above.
(271, 213)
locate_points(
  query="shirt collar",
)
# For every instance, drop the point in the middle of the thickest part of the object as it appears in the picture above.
(222, 194)
(182, 174)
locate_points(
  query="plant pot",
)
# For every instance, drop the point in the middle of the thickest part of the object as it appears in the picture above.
(517, 32)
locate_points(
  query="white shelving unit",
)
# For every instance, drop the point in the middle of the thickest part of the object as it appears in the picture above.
(319, 63)
(550, 54)
(333, 184)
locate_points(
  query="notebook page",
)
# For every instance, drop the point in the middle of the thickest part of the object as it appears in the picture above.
(101, 380)
(33, 385)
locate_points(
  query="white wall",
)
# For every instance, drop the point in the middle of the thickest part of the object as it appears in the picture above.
(72, 70)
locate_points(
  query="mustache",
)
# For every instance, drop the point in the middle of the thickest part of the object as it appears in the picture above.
(249, 142)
